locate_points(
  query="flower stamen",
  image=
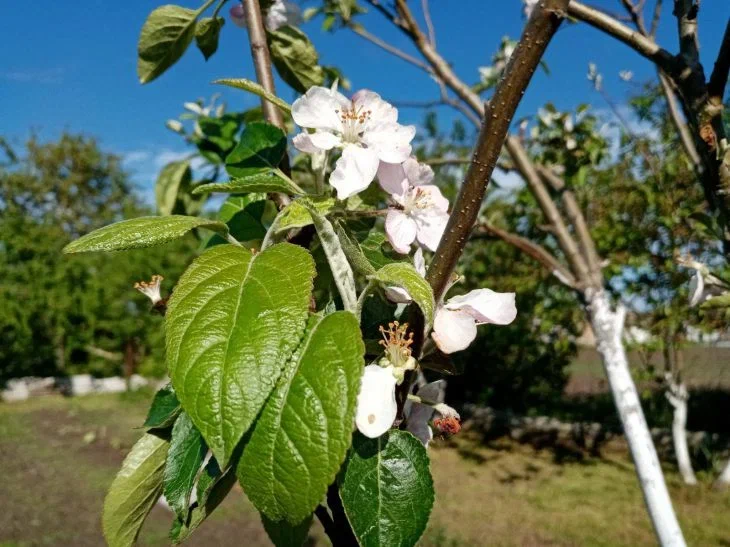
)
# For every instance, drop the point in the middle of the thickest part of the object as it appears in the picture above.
(397, 342)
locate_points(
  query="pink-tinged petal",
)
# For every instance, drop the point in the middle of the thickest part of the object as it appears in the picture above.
(376, 407)
(430, 228)
(419, 415)
(397, 295)
(319, 108)
(303, 143)
(417, 173)
(419, 262)
(354, 171)
(400, 229)
(379, 110)
(453, 330)
(324, 140)
(238, 15)
(486, 306)
(435, 197)
(391, 141)
(392, 178)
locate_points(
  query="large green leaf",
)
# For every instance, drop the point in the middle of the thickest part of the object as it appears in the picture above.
(387, 489)
(299, 442)
(184, 460)
(135, 490)
(352, 249)
(263, 182)
(247, 216)
(213, 487)
(404, 275)
(165, 36)
(173, 177)
(296, 215)
(164, 409)
(283, 534)
(295, 58)
(141, 232)
(256, 89)
(260, 150)
(341, 270)
(232, 323)
(207, 32)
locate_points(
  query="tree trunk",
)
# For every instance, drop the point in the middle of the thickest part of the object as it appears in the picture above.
(608, 328)
(678, 396)
(723, 481)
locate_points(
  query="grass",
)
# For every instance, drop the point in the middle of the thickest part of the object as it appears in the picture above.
(59, 456)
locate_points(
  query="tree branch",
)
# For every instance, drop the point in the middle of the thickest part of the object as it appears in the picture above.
(363, 33)
(718, 78)
(429, 22)
(578, 220)
(538, 252)
(264, 76)
(542, 25)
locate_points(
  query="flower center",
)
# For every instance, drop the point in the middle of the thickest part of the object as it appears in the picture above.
(417, 199)
(397, 343)
(353, 122)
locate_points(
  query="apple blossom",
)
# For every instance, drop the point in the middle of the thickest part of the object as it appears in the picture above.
(376, 407)
(279, 14)
(455, 324)
(418, 414)
(151, 289)
(365, 128)
(419, 211)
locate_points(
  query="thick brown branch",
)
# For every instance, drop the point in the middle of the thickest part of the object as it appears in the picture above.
(718, 78)
(544, 22)
(578, 220)
(539, 253)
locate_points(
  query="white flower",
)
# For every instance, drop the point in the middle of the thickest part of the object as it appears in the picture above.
(455, 325)
(376, 407)
(279, 14)
(365, 128)
(420, 211)
(399, 295)
(626, 75)
(570, 143)
(151, 289)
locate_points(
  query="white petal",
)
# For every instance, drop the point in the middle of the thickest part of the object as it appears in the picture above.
(392, 178)
(318, 109)
(376, 407)
(696, 288)
(398, 295)
(354, 171)
(453, 330)
(400, 229)
(303, 143)
(430, 228)
(419, 262)
(417, 173)
(283, 13)
(486, 306)
(391, 141)
(380, 110)
(324, 140)
(435, 196)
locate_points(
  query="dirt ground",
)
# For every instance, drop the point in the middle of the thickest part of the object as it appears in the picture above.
(58, 457)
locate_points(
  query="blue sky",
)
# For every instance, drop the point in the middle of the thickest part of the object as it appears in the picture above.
(72, 65)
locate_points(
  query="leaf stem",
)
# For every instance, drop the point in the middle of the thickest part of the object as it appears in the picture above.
(279, 173)
(233, 240)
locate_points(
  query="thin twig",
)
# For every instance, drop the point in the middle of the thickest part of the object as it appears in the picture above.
(655, 19)
(429, 23)
(363, 33)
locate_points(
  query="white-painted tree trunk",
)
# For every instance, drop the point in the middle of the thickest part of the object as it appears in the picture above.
(608, 328)
(677, 396)
(723, 481)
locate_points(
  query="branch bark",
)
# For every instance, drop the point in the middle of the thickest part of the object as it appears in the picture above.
(541, 27)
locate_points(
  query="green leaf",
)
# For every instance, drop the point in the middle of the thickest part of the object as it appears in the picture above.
(404, 275)
(141, 232)
(295, 58)
(372, 248)
(134, 492)
(235, 204)
(720, 301)
(232, 323)
(301, 439)
(184, 459)
(207, 32)
(264, 182)
(172, 178)
(341, 270)
(166, 34)
(164, 409)
(247, 217)
(283, 534)
(387, 489)
(296, 215)
(352, 249)
(260, 150)
(213, 487)
(256, 89)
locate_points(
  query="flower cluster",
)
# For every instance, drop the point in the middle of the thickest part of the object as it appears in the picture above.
(371, 144)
